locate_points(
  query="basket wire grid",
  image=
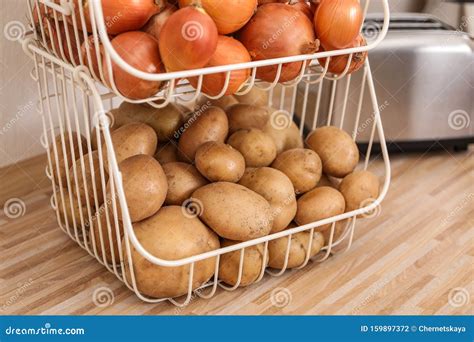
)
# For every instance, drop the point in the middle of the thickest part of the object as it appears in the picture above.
(72, 103)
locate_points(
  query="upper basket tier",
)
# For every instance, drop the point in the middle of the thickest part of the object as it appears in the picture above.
(76, 32)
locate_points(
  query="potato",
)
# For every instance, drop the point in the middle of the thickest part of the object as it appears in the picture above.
(165, 121)
(223, 102)
(339, 229)
(130, 140)
(318, 204)
(183, 180)
(167, 153)
(302, 166)
(233, 211)
(72, 212)
(220, 162)
(64, 158)
(256, 96)
(337, 150)
(89, 179)
(276, 188)
(326, 181)
(285, 138)
(202, 126)
(100, 228)
(171, 235)
(252, 264)
(298, 249)
(94, 141)
(245, 116)
(359, 189)
(257, 147)
(144, 184)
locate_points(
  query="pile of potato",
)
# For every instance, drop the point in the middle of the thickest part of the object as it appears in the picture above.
(222, 174)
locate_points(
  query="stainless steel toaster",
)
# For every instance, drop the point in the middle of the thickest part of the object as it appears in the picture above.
(424, 78)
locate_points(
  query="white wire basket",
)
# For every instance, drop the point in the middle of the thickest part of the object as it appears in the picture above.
(73, 101)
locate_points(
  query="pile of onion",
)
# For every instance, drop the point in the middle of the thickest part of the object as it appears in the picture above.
(140, 50)
(56, 39)
(278, 30)
(337, 23)
(229, 16)
(338, 64)
(94, 62)
(121, 16)
(228, 51)
(188, 39)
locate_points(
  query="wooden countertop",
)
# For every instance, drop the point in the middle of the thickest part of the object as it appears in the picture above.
(408, 260)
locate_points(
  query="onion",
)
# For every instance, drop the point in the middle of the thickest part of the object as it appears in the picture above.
(140, 50)
(278, 30)
(229, 16)
(229, 51)
(338, 22)
(94, 66)
(155, 24)
(338, 64)
(188, 39)
(121, 16)
(56, 39)
(305, 6)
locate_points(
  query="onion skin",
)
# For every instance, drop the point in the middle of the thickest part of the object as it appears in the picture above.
(55, 39)
(338, 64)
(296, 37)
(229, 16)
(155, 24)
(228, 51)
(337, 23)
(140, 50)
(94, 66)
(188, 39)
(122, 15)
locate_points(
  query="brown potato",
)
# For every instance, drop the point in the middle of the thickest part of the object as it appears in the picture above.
(72, 212)
(202, 126)
(339, 229)
(89, 178)
(326, 181)
(144, 184)
(257, 147)
(276, 188)
(285, 138)
(94, 140)
(252, 264)
(64, 158)
(256, 96)
(183, 180)
(130, 140)
(302, 166)
(337, 150)
(101, 232)
(165, 121)
(319, 204)
(167, 153)
(359, 189)
(298, 249)
(171, 235)
(220, 162)
(245, 116)
(233, 211)
(223, 102)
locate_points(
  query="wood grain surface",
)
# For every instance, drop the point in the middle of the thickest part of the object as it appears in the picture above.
(416, 257)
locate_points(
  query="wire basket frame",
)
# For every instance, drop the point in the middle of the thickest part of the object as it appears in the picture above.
(72, 104)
